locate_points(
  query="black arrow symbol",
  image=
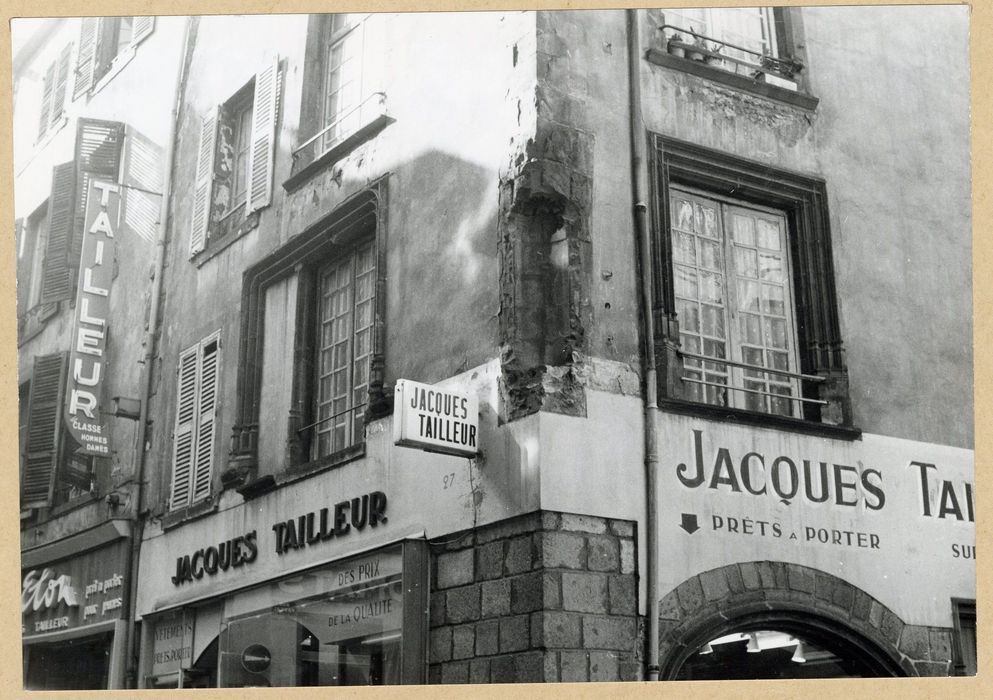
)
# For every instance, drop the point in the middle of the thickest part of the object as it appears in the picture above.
(689, 523)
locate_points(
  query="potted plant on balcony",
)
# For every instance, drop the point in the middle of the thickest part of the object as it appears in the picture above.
(674, 45)
(693, 53)
(715, 58)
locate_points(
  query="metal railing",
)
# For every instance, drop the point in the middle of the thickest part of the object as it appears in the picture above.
(317, 145)
(782, 67)
(756, 368)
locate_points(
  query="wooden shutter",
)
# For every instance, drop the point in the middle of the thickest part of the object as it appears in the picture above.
(206, 412)
(56, 280)
(41, 449)
(88, 34)
(186, 401)
(204, 182)
(48, 86)
(141, 28)
(61, 82)
(262, 147)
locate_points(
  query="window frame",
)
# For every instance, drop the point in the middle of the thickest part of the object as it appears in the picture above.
(963, 609)
(358, 219)
(803, 200)
(735, 396)
(213, 229)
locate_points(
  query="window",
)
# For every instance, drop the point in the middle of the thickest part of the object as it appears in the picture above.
(53, 96)
(343, 81)
(317, 366)
(235, 161)
(733, 300)
(346, 289)
(752, 28)
(342, 104)
(106, 44)
(748, 319)
(964, 648)
(51, 471)
(196, 408)
(30, 237)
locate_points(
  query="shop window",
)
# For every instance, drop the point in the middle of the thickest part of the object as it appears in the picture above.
(317, 306)
(53, 95)
(51, 470)
(194, 434)
(106, 44)
(235, 162)
(341, 105)
(964, 649)
(747, 315)
(355, 622)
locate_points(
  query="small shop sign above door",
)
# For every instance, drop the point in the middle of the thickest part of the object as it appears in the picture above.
(435, 420)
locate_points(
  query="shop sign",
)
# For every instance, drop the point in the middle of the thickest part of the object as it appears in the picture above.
(172, 645)
(435, 420)
(87, 356)
(328, 523)
(209, 560)
(872, 511)
(73, 592)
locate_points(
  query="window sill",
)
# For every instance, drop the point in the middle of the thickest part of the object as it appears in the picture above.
(763, 420)
(226, 231)
(116, 66)
(181, 516)
(739, 82)
(337, 152)
(272, 482)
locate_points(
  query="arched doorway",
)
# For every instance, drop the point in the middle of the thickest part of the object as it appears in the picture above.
(781, 645)
(767, 619)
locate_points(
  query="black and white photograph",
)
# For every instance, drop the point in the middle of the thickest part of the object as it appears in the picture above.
(483, 347)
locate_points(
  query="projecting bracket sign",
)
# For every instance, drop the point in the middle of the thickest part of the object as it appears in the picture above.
(435, 420)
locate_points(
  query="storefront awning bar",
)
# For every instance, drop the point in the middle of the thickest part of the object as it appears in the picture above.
(76, 544)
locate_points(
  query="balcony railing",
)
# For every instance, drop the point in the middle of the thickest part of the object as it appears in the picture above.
(341, 130)
(755, 368)
(710, 50)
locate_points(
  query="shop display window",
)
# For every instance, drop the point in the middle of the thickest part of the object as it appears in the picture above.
(338, 625)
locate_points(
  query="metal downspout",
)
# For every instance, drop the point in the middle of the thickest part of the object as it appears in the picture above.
(639, 186)
(148, 358)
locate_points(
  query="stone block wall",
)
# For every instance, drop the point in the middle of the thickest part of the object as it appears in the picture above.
(541, 597)
(712, 600)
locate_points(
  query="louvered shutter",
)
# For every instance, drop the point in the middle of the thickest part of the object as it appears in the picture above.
(206, 412)
(141, 28)
(204, 183)
(263, 143)
(186, 404)
(41, 449)
(84, 57)
(47, 88)
(61, 82)
(56, 279)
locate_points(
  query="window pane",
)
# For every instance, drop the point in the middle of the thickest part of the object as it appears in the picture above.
(706, 220)
(768, 233)
(689, 315)
(750, 329)
(713, 321)
(775, 332)
(711, 288)
(683, 250)
(710, 255)
(771, 267)
(748, 295)
(683, 218)
(746, 262)
(754, 402)
(742, 230)
(686, 285)
(772, 300)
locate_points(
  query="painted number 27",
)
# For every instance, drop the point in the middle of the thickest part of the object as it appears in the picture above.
(448, 480)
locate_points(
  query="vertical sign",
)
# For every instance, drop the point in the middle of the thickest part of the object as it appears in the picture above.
(87, 355)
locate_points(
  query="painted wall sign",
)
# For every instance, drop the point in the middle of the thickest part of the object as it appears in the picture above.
(73, 592)
(873, 511)
(209, 560)
(87, 356)
(436, 420)
(327, 523)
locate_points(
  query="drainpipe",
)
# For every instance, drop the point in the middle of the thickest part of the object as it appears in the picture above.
(148, 359)
(639, 186)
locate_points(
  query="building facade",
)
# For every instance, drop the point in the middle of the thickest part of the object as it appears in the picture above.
(667, 297)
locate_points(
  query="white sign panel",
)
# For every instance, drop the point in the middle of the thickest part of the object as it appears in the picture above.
(436, 420)
(892, 516)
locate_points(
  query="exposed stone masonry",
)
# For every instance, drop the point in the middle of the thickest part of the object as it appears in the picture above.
(541, 597)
